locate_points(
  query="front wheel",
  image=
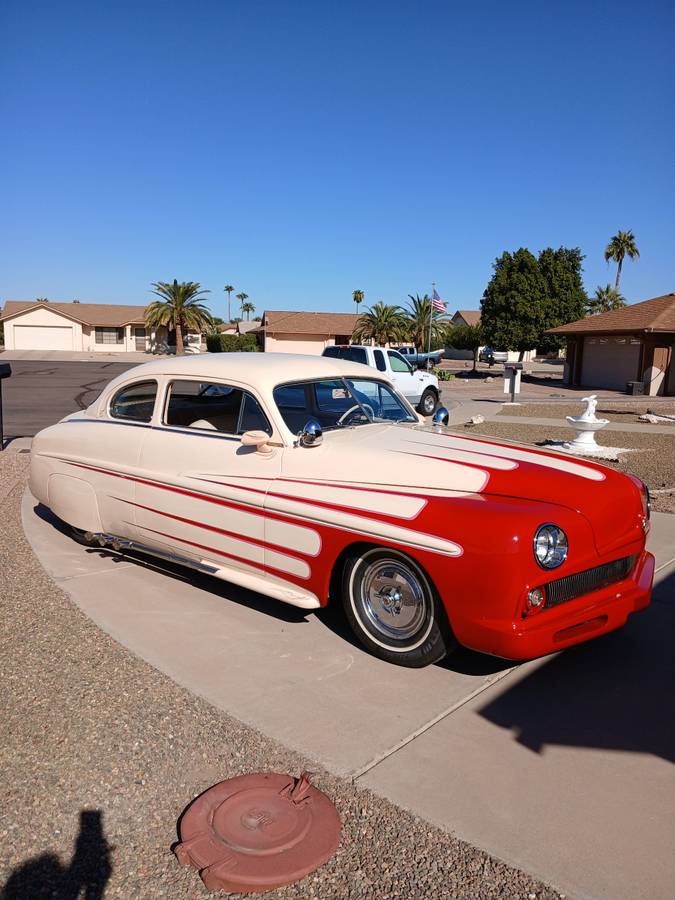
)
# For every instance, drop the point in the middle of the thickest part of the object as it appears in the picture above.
(393, 609)
(428, 402)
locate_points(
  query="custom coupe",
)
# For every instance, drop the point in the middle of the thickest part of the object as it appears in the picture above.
(311, 480)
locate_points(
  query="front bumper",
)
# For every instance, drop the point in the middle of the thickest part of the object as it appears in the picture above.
(570, 623)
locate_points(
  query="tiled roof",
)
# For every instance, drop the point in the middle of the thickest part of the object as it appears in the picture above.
(111, 315)
(470, 316)
(657, 314)
(276, 321)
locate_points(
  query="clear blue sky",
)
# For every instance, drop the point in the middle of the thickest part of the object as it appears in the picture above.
(300, 150)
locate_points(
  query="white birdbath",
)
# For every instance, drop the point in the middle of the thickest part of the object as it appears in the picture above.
(585, 426)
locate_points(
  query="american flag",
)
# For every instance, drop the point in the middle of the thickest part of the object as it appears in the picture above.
(436, 302)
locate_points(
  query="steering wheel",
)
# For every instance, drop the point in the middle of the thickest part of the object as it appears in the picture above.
(352, 409)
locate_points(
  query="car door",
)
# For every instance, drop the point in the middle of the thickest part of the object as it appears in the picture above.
(407, 380)
(202, 493)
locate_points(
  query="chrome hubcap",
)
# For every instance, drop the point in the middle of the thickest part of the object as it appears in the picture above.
(393, 599)
(429, 404)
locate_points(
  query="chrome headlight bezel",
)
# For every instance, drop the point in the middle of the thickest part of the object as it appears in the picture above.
(552, 540)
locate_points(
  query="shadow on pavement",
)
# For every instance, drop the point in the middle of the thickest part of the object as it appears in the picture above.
(613, 693)
(86, 876)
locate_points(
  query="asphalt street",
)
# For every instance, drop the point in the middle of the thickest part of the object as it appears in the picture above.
(40, 393)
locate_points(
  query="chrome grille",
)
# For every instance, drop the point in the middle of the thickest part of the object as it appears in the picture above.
(573, 586)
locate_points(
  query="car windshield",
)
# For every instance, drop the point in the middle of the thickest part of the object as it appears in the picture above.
(339, 403)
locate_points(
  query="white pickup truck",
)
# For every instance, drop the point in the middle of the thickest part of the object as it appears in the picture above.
(419, 388)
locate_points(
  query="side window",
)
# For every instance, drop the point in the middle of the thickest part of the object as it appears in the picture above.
(212, 406)
(397, 363)
(135, 402)
(380, 361)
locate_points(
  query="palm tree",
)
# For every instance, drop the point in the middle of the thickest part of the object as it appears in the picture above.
(621, 245)
(247, 308)
(358, 298)
(605, 298)
(418, 312)
(179, 307)
(241, 298)
(228, 290)
(382, 324)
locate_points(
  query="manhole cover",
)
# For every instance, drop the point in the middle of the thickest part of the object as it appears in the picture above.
(258, 832)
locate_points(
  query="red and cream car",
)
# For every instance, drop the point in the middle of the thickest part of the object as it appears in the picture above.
(312, 480)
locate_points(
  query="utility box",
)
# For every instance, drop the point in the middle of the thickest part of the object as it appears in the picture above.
(512, 373)
(5, 372)
(635, 388)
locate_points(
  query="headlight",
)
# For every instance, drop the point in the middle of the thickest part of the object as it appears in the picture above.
(550, 546)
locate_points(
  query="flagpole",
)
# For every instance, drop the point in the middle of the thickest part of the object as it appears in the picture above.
(431, 319)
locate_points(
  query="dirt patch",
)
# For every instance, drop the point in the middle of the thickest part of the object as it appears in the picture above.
(653, 461)
(616, 412)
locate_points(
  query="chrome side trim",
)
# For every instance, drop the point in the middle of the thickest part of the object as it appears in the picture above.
(122, 544)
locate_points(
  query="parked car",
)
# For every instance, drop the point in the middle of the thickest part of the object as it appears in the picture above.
(419, 388)
(312, 480)
(420, 359)
(488, 355)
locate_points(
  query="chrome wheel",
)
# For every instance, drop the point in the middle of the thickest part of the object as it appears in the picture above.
(393, 599)
(428, 403)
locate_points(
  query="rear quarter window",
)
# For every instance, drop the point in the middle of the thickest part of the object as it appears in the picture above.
(134, 402)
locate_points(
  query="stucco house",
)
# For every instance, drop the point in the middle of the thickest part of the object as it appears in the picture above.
(103, 327)
(305, 332)
(632, 344)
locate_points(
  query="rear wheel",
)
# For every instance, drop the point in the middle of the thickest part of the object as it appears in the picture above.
(428, 401)
(393, 609)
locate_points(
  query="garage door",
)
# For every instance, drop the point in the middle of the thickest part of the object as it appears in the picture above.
(610, 362)
(43, 337)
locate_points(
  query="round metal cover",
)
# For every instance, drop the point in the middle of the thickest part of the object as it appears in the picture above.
(258, 832)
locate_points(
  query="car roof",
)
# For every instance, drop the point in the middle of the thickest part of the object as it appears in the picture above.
(261, 370)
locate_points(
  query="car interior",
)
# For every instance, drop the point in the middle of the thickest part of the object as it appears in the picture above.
(213, 407)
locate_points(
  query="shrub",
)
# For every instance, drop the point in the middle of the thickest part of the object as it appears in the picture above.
(231, 343)
(443, 374)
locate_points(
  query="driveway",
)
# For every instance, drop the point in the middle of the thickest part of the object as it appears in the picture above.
(562, 766)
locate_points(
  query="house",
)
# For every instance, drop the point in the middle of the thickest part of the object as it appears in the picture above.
(104, 327)
(472, 317)
(631, 344)
(306, 332)
(239, 327)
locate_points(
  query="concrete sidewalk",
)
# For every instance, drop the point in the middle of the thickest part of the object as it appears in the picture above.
(563, 766)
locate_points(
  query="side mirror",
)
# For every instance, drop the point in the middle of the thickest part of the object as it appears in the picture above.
(311, 435)
(257, 439)
(441, 416)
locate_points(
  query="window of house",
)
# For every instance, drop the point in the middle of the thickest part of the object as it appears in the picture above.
(214, 406)
(109, 335)
(135, 402)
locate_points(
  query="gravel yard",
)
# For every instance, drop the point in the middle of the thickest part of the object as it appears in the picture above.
(617, 411)
(95, 740)
(653, 461)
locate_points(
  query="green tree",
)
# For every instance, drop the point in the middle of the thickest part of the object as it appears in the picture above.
(566, 298)
(514, 304)
(621, 245)
(382, 324)
(417, 313)
(179, 307)
(358, 298)
(605, 298)
(242, 298)
(247, 308)
(466, 337)
(228, 290)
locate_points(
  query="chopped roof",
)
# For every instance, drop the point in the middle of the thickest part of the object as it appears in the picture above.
(657, 314)
(470, 316)
(309, 322)
(112, 315)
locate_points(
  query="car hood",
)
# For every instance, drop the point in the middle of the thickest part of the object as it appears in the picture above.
(439, 462)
